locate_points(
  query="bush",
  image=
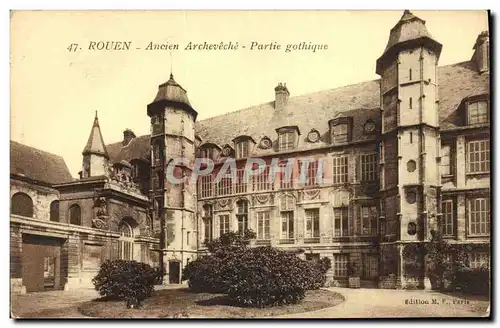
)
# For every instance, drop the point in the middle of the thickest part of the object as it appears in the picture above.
(472, 280)
(125, 280)
(266, 276)
(256, 277)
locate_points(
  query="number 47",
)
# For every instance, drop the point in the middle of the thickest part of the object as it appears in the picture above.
(73, 47)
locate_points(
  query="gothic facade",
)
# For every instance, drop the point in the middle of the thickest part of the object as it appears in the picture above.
(398, 157)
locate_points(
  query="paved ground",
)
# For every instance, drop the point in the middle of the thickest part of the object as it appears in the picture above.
(377, 303)
(359, 303)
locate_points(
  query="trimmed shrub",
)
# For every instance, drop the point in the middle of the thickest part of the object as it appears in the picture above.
(130, 281)
(472, 280)
(266, 276)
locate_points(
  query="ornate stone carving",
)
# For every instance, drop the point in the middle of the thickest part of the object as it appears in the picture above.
(311, 194)
(223, 203)
(98, 223)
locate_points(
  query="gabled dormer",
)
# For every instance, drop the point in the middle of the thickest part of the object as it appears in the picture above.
(340, 129)
(477, 110)
(209, 150)
(243, 145)
(288, 137)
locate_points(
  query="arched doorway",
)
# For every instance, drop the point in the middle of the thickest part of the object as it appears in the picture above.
(174, 272)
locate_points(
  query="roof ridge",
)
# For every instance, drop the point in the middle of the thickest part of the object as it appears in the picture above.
(35, 148)
(310, 94)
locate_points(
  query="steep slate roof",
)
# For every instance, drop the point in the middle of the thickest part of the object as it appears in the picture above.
(37, 164)
(95, 144)
(313, 111)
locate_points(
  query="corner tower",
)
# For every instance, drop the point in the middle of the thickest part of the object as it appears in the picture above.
(409, 151)
(172, 137)
(95, 155)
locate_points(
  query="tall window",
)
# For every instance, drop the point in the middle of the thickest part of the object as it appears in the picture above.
(126, 242)
(368, 220)
(75, 215)
(157, 154)
(370, 265)
(54, 211)
(22, 204)
(311, 173)
(207, 222)
(242, 215)
(479, 156)
(287, 231)
(479, 216)
(340, 133)
(446, 160)
(241, 184)
(312, 223)
(286, 176)
(368, 167)
(286, 141)
(479, 259)
(261, 180)
(340, 169)
(205, 186)
(341, 222)
(263, 226)
(478, 112)
(242, 149)
(224, 187)
(447, 226)
(223, 224)
(340, 265)
(207, 152)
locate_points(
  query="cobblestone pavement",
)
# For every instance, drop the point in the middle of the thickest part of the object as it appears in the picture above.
(359, 303)
(383, 303)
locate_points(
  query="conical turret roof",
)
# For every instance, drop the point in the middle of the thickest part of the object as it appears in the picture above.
(95, 144)
(172, 92)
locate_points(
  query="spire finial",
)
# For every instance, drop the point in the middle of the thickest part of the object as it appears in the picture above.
(96, 115)
(171, 71)
(406, 12)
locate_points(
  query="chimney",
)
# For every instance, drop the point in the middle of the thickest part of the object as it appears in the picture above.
(127, 136)
(481, 56)
(281, 96)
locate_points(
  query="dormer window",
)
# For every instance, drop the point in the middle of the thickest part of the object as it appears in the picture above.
(340, 133)
(340, 129)
(242, 149)
(287, 137)
(243, 144)
(209, 151)
(477, 112)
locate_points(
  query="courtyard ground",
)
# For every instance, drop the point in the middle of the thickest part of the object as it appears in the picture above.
(359, 303)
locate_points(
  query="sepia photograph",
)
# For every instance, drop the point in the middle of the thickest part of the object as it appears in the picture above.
(326, 164)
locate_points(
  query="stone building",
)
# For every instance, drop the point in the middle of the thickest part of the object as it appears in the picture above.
(399, 156)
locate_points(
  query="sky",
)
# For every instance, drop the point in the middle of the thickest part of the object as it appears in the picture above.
(55, 92)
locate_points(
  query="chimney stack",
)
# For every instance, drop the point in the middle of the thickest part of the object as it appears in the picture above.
(481, 56)
(127, 136)
(281, 96)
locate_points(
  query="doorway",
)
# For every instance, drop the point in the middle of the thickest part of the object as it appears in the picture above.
(41, 262)
(174, 268)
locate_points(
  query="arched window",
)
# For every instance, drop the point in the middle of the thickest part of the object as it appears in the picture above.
(75, 214)
(22, 204)
(54, 211)
(242, 215)
(126, 241)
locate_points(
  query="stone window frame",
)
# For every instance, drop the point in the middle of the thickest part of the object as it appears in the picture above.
(287, 218)
(340, 169)
(243, 146)
(370, 265)
(263, 222)
(71, 214)
(486, 213)
(479, 259)
(242, 215)
(372, 216)
(448, 217)
(206, 186)
(341, 121)
(451, 158)
(340, 261)
(54, 211)
(224, 223)
(471, 168)
(312, 215)
(341, 214)
(207, 219)
(479, 118)
(22, 205)
(368, 164)
(288, 137)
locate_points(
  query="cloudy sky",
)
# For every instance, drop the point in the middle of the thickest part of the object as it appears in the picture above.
(55, 92)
